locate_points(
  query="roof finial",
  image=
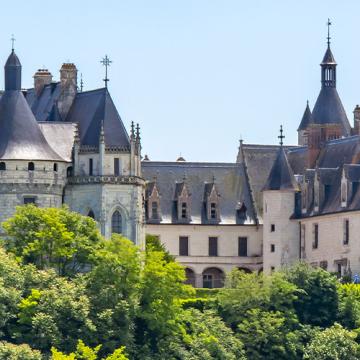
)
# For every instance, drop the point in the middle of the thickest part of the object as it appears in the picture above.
(132, 131)
(328, 36)
(12, 42)
(81, 83)
(106, 62)
(281, 136)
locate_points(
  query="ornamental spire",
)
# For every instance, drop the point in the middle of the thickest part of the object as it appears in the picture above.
(281, 136)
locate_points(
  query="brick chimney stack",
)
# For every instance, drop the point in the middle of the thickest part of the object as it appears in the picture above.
(41, 78)
(357, 120)
(68, 84)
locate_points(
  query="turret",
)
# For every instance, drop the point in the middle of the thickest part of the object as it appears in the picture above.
(13, 72)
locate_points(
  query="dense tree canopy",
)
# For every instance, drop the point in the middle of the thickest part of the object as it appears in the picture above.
(68, 294)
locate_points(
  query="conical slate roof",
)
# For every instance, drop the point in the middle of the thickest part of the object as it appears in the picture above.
(306, 119)
(20, 134)
(328, 57)
(281, 176)
(329, 109)
(12, 60)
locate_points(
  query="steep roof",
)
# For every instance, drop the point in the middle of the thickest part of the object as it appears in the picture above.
(90, 109)
(329, 109)
(20, 134)
(328, 58)
(281, 176)
(306, 119)
(231, 184)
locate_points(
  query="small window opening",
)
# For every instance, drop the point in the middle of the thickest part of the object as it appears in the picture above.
(31, 166)
(2, 166)
(90, 167)
(272, 227)
(184, 210)
(213, 211)
(55, 167)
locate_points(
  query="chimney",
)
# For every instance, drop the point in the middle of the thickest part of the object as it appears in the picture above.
(41, 78)
(357, 120)
(68, 84)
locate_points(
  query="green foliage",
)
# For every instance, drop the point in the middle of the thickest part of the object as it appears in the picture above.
(10, 351)
(318, 305)
(153, 243)
(334, 343)
(113, 288)
(267, 336)
(206, 293)
(52, 238)
(349, 305)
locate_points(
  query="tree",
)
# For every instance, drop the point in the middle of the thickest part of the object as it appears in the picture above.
(334, 343)
(265, 335)
(113, 289)
(319, 303)
(153, 243)
(244, 292)
(10, 351)
(55, 316)
(52, 237)
(349, 305)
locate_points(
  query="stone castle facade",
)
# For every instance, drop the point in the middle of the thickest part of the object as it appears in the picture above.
(271, 207)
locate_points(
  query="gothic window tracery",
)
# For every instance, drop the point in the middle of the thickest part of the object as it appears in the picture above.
(116, 222)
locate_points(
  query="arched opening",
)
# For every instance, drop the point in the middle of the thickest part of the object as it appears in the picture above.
(116, 223)
(91, 214)
(2, 166)
(245, 270)
(190, 277)
(213, 278)
(31, 166)
(56, 167)
(69, 171)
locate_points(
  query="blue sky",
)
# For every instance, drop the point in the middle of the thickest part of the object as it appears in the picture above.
(196, 74)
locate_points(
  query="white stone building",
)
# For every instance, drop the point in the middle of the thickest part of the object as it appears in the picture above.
(273, 206)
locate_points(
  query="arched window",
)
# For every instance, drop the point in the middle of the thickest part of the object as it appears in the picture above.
(55, 167)
(69, 171)
(91, 214)
(116, 222)
(31, 166)
(2, 166)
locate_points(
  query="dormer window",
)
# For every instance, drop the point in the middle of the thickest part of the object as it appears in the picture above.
(154, 210)
(152, 204)
(213, 210)
(184, 210)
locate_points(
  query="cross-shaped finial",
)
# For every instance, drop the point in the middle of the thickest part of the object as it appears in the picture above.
(12, 42)
(328, 26)
(106, 62)
(281, 136)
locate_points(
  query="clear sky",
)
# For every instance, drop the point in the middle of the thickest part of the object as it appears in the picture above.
(196, 74)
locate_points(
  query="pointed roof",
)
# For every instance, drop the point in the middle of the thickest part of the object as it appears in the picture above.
(12, 72)
(281, 176)
(12, 60)
(329, 109)
(328, 58)
(20, 134)
(90, 109)
(306, 119)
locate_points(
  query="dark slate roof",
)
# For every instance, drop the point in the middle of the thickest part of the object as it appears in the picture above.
(44, 106)
(60, 136)
(337, 152)
(13, 60)
(329, 109)
(306, 119)
(90, 109)
(298, 159)
(20, 134)
(328, 57)
(281, 176)
(258, 161)
(231, 184)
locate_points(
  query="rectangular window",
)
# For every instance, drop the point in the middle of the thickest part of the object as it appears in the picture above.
(213, 211)
(316, 236)
(346, 232)
(90, 167)
(184, 210)
(154, 210)
(272, 248)
(272, 227)
(116, 166)
(183, 246)
(243, 246)
(29, 200)
(213, 246)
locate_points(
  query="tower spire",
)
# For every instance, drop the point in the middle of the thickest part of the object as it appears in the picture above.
(106, 62)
